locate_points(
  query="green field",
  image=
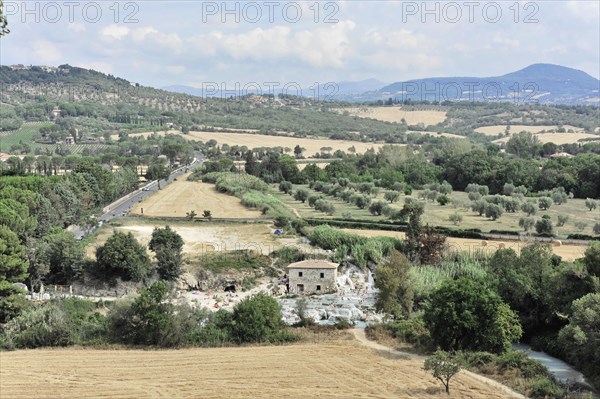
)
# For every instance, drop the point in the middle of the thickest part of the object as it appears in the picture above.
(25, 134)
(437, 215)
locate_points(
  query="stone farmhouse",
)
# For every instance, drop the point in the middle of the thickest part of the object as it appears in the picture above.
(312, 277)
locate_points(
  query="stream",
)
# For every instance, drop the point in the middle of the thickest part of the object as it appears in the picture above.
(562, 371)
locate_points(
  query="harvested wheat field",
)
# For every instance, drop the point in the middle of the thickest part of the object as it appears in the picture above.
(558, 138)
(311, 146)
(396, 114)
(182, 196)
(569, 252)
(199, 238)
(337, 370)
(497, 129)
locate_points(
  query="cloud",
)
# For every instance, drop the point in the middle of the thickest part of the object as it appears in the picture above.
(76, 27)
(114, 32)
(46, 52)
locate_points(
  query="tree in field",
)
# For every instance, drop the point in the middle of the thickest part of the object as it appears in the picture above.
(545, 203)
(529, 208)
(301, 195)
(256, 319)
(455, 218)
(298, 151)
(362, 201)
(392, 196)
(392, 278)
(122, 256)
(190, 215)
(544, 226)
(493, 211)
(591, 204)
(285, 187)
(596, 228)
(466, 314)
(167, 245)
(479, 206)
(562, 219)
(376, 208)
(443, 367)
(526, 223)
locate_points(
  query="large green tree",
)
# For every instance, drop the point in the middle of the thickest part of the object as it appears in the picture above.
(392, 278)
(13, 269)
(64, 256)
(466, 314)
(167, 245)
(122, 256)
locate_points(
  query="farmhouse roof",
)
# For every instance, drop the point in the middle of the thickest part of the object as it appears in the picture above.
(313, 264)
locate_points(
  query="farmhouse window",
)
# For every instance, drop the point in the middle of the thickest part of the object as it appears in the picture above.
(322, 275)
(318, 288)
(299, 274)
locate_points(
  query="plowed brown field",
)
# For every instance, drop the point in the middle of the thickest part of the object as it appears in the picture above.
(337, 370)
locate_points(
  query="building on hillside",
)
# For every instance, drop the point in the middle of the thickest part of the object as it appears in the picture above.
(55, 114)
(312, 276)
(561, 155)
(70, 140)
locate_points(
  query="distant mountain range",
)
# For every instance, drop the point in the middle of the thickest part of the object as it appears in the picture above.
(537, 83)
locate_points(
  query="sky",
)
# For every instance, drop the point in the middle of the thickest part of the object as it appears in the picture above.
(202, 43)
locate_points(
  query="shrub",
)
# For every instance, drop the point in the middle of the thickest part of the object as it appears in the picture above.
(543, 388)
(562, 219)
(527, 367)
(39, 326)
(442, 199)
(544, 227)
(256, 319)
